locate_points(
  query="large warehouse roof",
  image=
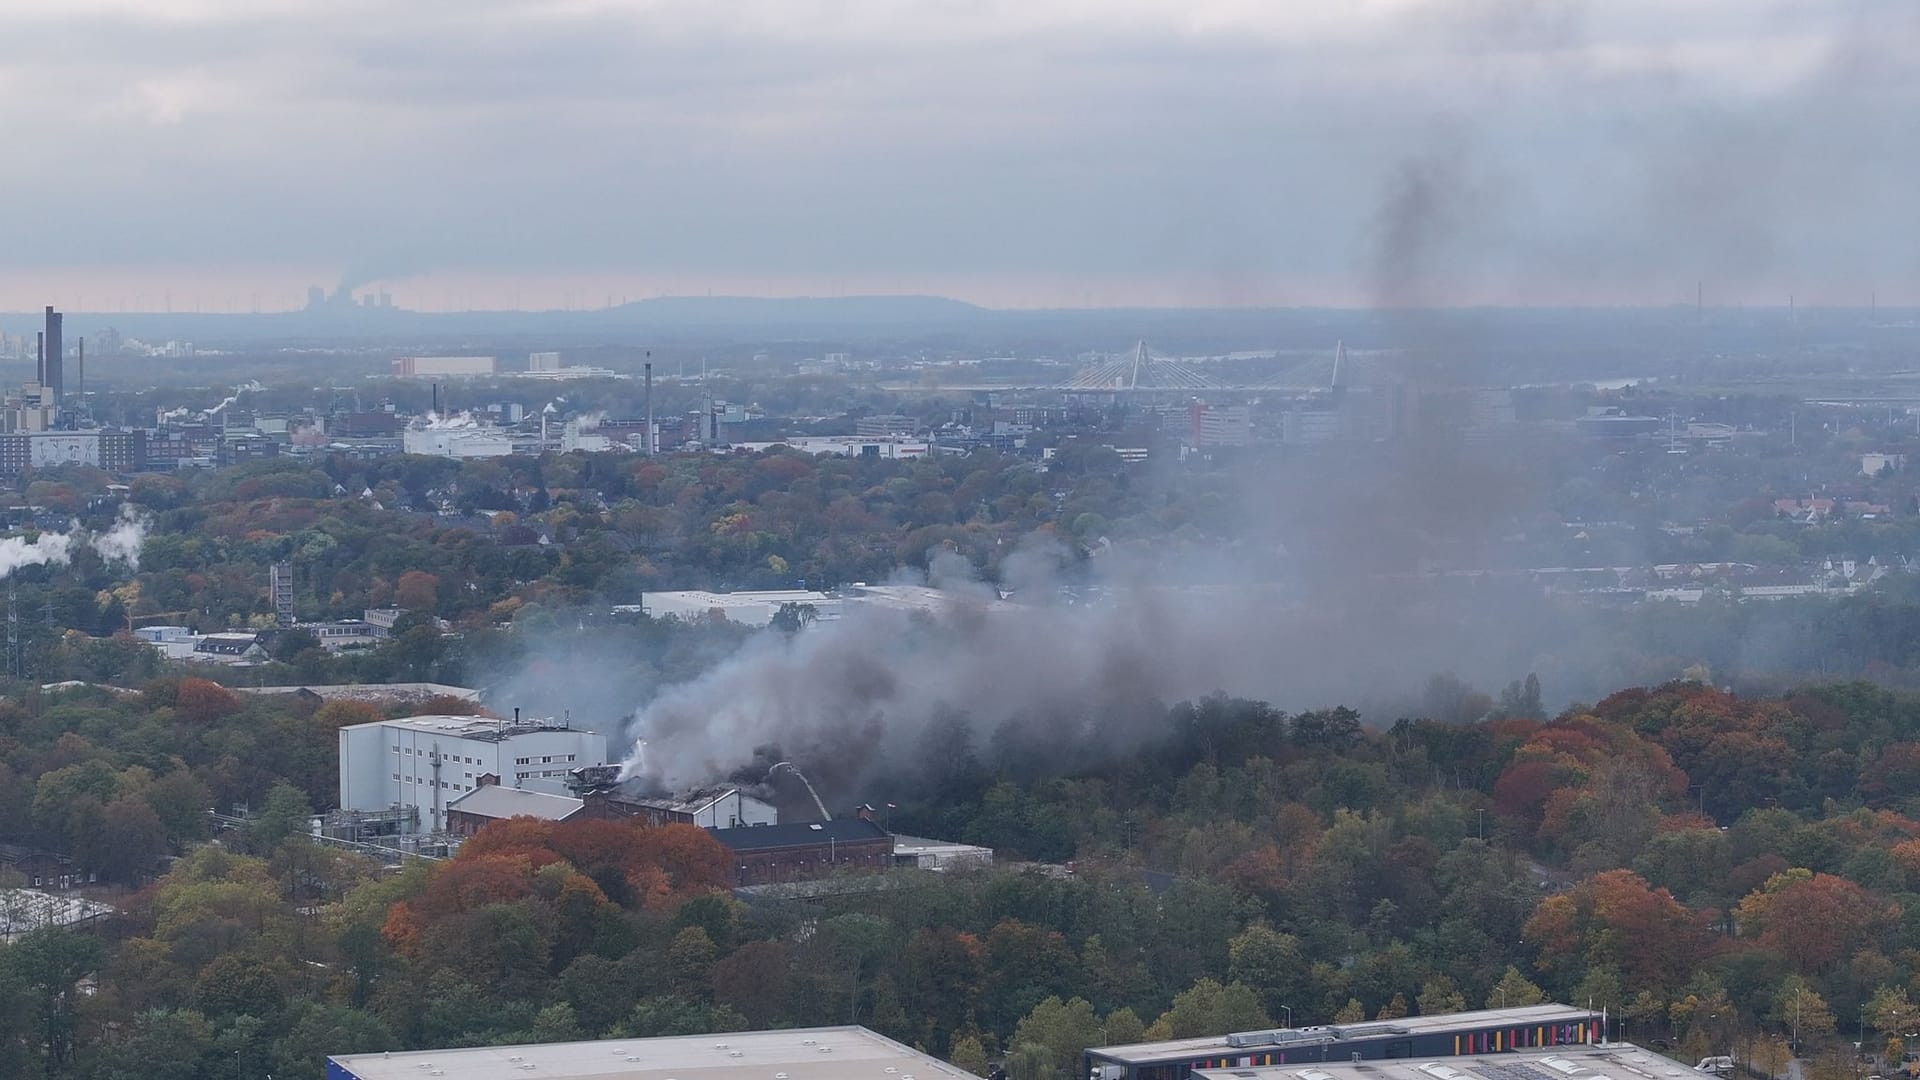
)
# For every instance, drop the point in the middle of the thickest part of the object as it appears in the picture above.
(835, 1053)
(1611, 1061)
(1437, 1024)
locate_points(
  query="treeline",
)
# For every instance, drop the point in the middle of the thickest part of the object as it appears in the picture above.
(1723, 873)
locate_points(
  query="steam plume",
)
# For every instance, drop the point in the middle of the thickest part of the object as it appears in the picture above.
(121, 543)
(48, 547)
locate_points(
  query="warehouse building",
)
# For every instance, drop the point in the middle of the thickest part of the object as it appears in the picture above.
(416, 766)
(806, 851)
(832, 1053)
(1417, 1037)
(1611, 1061)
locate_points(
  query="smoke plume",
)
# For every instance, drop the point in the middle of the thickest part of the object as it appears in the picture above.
(47, 548)
(121, 543)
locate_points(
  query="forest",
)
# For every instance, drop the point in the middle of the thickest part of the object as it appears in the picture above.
(1727, 862)
(1722, 873)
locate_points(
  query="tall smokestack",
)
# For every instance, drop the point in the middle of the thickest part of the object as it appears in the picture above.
(40, 357)
(649, 434)
(81, 374)
(436, 399)
(56, 355)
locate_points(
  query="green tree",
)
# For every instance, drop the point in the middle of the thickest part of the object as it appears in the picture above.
(670, 1014)
(286, 813)
(1051, 1037)
(1439, 995)
(1269, 961)
(133, 842)
(47, 964)
(1514, 990)
(1211, 1008)
(690, 960)
(969, 1055)
(1803, 1011)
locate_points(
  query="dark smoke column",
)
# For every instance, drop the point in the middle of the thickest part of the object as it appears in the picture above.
(56, 357)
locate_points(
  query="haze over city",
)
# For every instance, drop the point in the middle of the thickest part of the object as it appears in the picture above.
(200, 155)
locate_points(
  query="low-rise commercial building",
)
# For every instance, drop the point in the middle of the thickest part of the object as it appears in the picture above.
(489, 803)
(1414, 1037)
(1611, 1061)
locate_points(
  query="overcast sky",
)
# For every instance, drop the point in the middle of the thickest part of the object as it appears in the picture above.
(225, 153)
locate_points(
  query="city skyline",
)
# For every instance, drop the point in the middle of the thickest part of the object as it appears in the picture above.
(1053, 154)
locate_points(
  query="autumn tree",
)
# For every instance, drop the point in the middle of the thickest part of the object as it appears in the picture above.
(1813, 919)
(1613, 918)
(417, 590)
(205, 703)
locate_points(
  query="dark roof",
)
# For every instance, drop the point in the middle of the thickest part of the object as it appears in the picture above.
(801, 834)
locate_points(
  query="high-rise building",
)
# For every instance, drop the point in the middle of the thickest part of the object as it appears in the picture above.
(56, 356)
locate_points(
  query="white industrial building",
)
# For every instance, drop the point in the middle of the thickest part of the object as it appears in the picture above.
(757, 608)
(442, 366)
(423, 763)
(844, 446)
(456, 442)
(748, 608)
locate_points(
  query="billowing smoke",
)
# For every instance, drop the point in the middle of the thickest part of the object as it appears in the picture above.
(48, 547)
(435, 420)
(1040, 683)
(121, 543)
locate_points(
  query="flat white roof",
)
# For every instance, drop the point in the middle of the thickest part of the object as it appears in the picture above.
(494, 801)
(24, 910)
(835, 1053)
(1608, 1061)
(466, 727)
(704, 598)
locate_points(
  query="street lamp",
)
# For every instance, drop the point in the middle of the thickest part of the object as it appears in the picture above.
(1288, 1009)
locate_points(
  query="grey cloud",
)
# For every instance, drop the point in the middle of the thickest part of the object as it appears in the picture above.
(1617, 150)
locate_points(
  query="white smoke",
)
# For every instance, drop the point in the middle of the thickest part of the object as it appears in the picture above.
(48, 547)
(434, 421)
(121, 543)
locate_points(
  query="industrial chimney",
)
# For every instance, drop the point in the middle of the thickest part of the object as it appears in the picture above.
(55, 356)
(649, 433)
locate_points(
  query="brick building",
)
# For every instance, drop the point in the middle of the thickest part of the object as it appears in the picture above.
(765, 854)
